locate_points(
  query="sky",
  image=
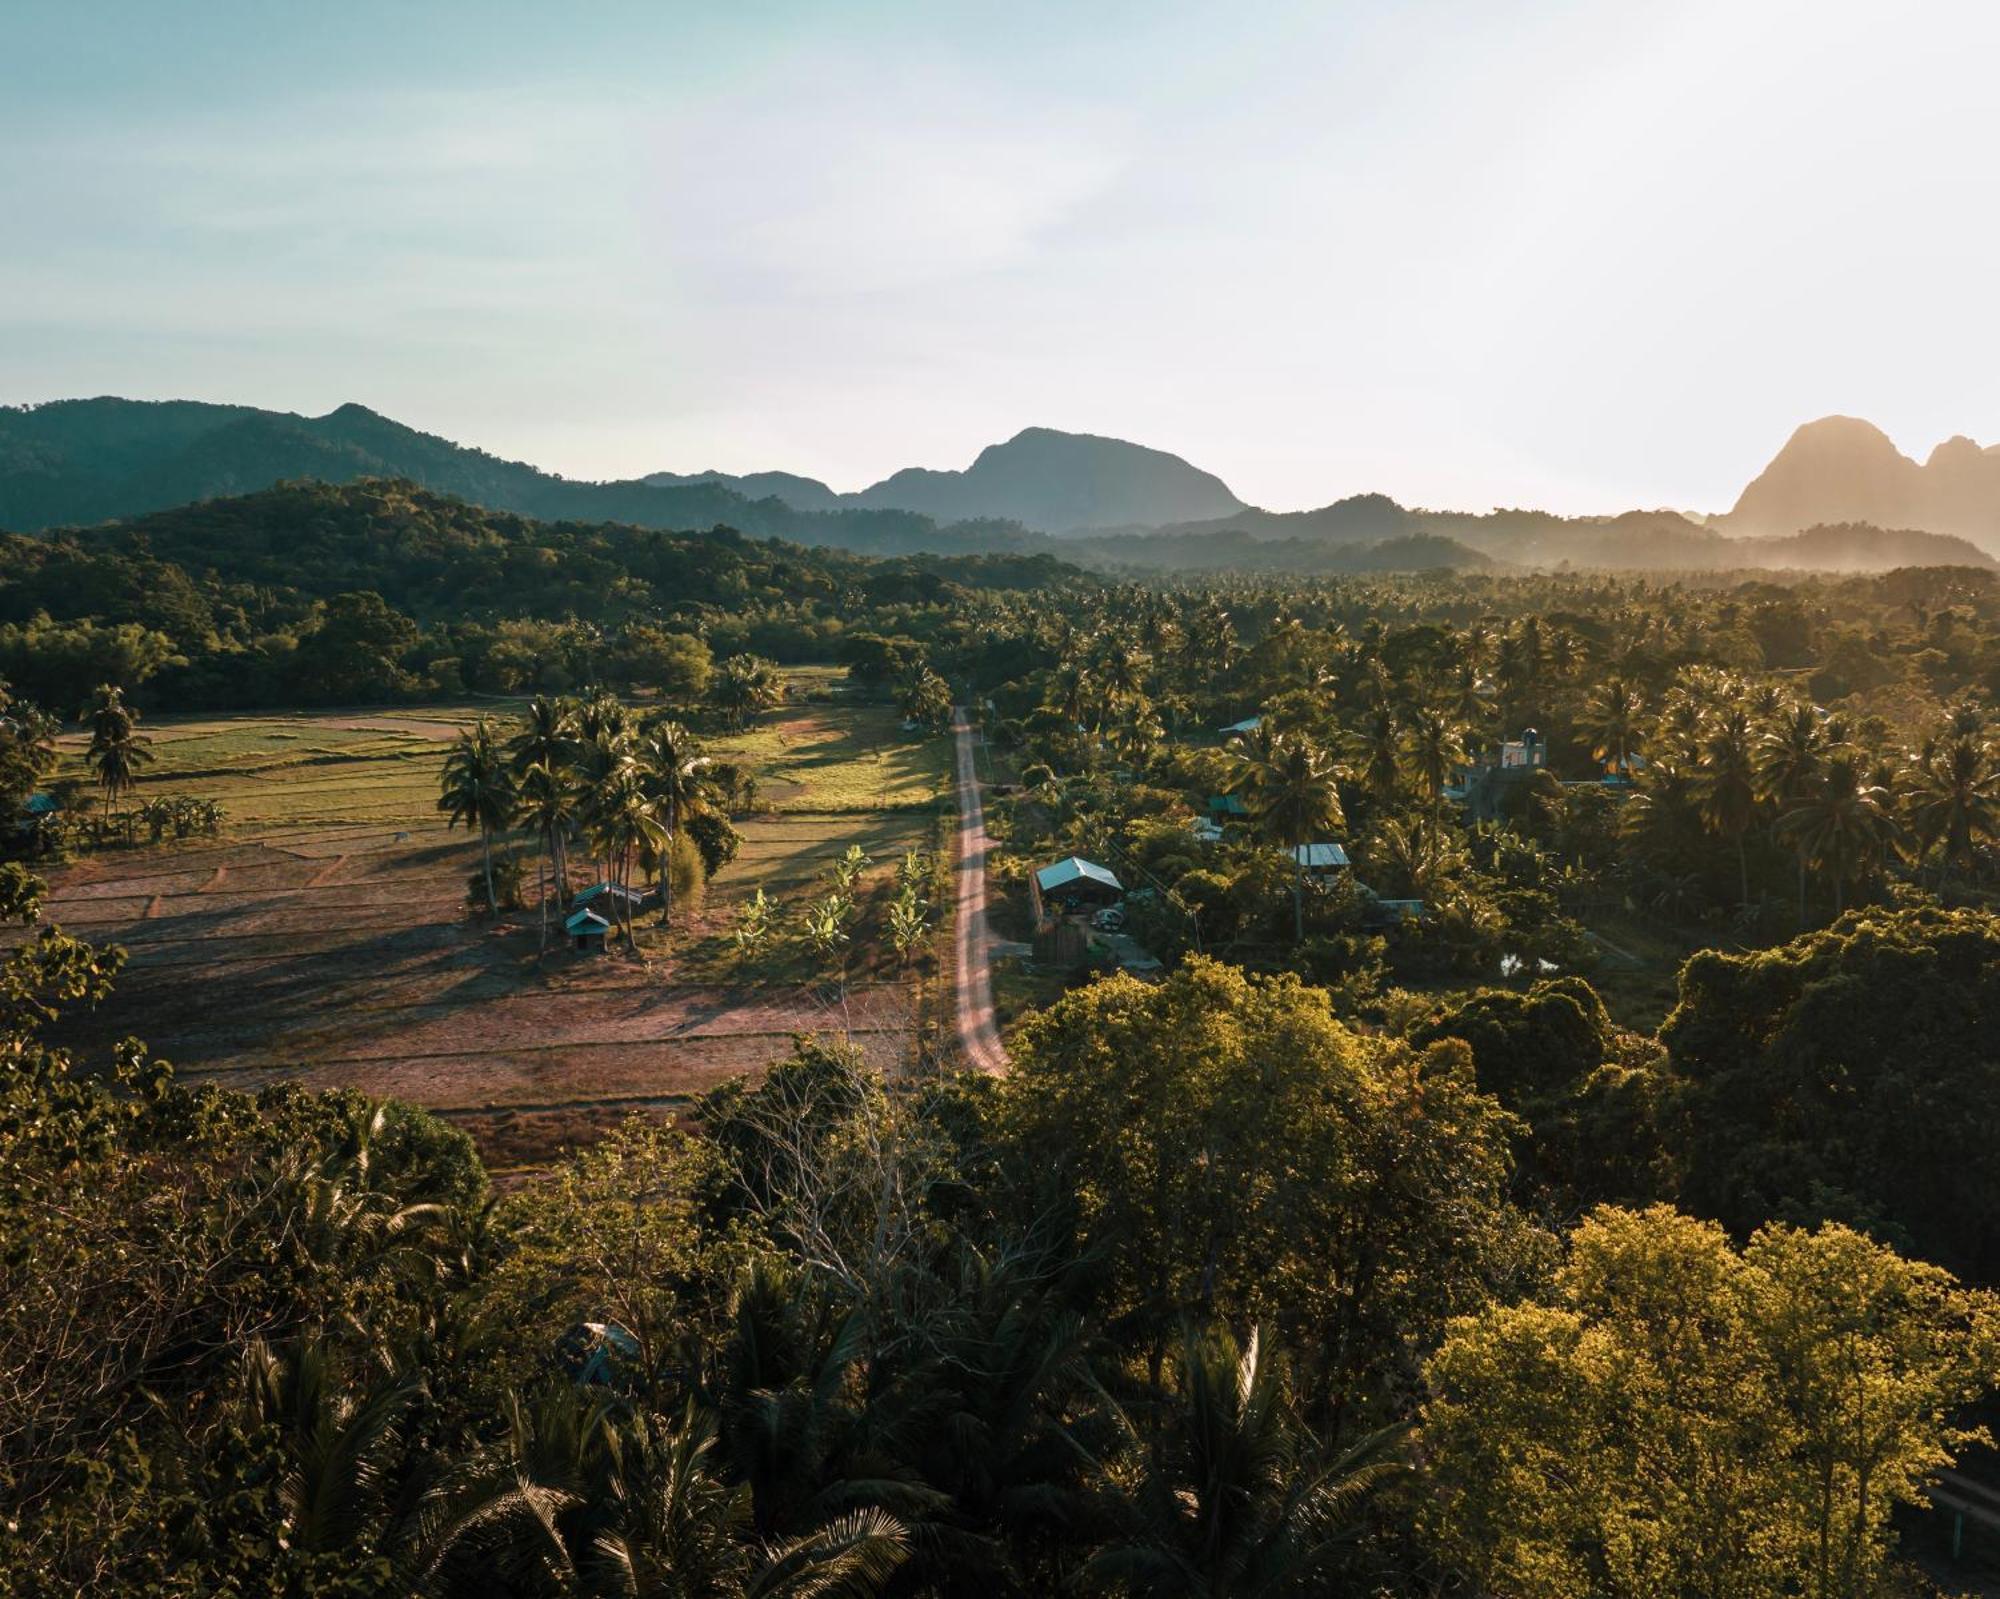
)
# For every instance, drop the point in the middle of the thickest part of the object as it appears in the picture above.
(1581, 256)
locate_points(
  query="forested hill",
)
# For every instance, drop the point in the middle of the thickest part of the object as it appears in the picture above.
(238, 601)
(75, 462)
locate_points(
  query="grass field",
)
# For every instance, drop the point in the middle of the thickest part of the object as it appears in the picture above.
(325, 936)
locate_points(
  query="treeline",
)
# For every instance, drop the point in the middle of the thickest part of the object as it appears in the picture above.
(309, 594)
(1214, 1293)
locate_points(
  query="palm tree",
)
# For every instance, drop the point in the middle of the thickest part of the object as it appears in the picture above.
(1238, 1500)
(1379, 750)
(338, 1452)
(117, 748)
(1843, 821)
(548, 804)
(1955, 801)
(1728, 785)
(626, 823)
(1434, 747)
(684, 1531)
(478, 790)
(1611, 717)
(673, 772)
(744, 685)
(1789, 759)
(548, 738)
(1295, 797)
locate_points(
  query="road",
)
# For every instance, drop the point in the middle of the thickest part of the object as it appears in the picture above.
(978, 1033)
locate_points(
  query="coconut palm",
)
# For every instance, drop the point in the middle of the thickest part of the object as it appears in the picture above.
(1842, 822)
(1789, 760)
(1378, 749)
(1237, 1499)
(548, 738)
(1611, 716)
(117, 748)
(743, 685)
(674, 774)
(1294, 789)
(1955, 801)
(626, 822)
(1434, 749)
(547, 804)
(1726, 785)
(478, 790)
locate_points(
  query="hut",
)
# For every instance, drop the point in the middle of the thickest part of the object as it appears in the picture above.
(1069, 884)
(1319, 860)
(609, 897)
(587, 928)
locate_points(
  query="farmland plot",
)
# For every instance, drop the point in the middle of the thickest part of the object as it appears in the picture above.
(325, 938)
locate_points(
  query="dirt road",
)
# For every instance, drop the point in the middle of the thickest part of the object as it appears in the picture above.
(977, 1032)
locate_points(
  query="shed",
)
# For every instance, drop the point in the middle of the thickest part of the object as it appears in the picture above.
(1077, 881)
(1324, 857)
(610, 894)
(587, 928)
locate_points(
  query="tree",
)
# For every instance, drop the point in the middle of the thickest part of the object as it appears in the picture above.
(1238, 1497)
(1790, 759)
(1682, 1418)
(1955, 802)
(117, 748)
(673, 771)
(1842, 823)
(743, 686)
(549, 738)
(548, 804)
(478, 791)
(1848, 1075)
(924, 697)
(1295, 798)
(1223, 1148)
(1726, 785)
(1434, 747)
(1611, 716)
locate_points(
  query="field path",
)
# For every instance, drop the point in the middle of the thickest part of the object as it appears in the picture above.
(977, 1032)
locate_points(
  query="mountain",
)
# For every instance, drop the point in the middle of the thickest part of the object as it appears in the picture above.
(800, 493)
(77, 462)
(1056, 482)
(1841, 469)
(1049, 481)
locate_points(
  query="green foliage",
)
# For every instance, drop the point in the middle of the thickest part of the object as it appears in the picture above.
(1680, 1417)
(1847, 1076)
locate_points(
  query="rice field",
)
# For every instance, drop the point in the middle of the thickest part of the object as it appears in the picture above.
(325, 937)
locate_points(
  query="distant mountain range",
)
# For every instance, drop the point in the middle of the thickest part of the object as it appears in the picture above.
(1047, 481)
(1841, 469)
(1825, 502)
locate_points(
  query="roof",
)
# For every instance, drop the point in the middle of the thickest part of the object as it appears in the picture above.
(616, 890)
(584, 922)
(40, 804)
(1249, 724)
(1319, 857)
(1068, 873)
(1228, 804)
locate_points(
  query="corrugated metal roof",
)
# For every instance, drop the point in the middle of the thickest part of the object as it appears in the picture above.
(1249, 724)
(1319, 857)
(1075, 870)
(585, 921)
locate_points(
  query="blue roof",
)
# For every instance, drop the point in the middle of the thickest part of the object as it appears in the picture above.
(1249, 724)
(1075, 870)
(585, 921)
(1228, 805)
(40, 804)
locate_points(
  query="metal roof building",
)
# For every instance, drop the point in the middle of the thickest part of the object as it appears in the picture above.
(1078, 879)
(1320, 857)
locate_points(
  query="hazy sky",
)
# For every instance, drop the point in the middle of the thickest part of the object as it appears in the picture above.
(1585, 256)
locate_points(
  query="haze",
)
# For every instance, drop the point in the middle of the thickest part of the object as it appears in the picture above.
(1583, 257)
